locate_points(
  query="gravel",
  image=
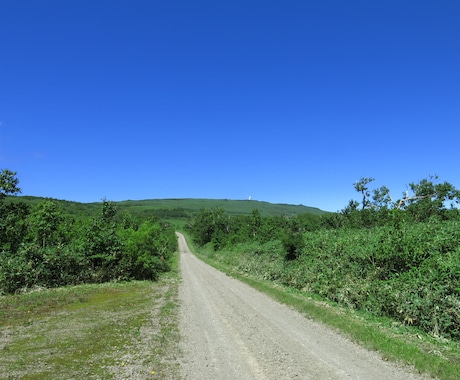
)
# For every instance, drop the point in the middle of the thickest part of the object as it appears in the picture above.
(231, 331)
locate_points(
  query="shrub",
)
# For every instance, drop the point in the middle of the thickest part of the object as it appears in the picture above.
(146, 251)
(407, 271)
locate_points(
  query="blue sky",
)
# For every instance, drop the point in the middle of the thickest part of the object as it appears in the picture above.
(283, 101)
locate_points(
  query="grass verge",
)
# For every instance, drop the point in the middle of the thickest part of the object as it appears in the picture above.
(107, 331)
(402, 344)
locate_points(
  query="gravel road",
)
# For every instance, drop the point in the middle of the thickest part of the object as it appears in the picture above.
(231, 331)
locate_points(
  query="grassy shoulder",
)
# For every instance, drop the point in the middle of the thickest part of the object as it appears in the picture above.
(113, 331)
(396, 342)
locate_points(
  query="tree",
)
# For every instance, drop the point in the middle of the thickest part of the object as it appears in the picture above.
(255, 221)
(12, 226)
(351, 207)
(45, 222)
(361, 187)
(146, 250)
(210, 225)
(429, 198)
(8, 183)
(381, 198)
(102, 244)
(108, 211)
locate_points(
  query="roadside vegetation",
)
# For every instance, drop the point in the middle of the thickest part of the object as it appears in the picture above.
(42, 246)
(384, 271)
(123, 330)
(395, 263)
(77, 298)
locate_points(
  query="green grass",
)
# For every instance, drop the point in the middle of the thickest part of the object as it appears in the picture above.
(396, 342)
(105, 331)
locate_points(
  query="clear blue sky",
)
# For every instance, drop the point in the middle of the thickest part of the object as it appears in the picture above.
(283, 101)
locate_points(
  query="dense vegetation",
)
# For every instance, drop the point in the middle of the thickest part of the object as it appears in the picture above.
(391, 258)
(399, 259)
(41, 245)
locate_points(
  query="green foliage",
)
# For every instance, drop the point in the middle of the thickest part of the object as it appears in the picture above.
(215, 227)
(43, 246)
(430, 198)
(44, 223)
(8, 183)
(147, 250)
(39, 266)
(293, 244)
(210, 226)
(102, 246)
(409, 272)
(13, 226)
(361, 187)
(393, 259)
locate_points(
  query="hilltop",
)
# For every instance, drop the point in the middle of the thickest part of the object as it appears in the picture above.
(233, 207)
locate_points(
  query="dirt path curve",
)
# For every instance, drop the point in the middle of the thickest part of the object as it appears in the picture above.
(231, 331)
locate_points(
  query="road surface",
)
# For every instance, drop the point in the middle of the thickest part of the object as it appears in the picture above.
(231, 331)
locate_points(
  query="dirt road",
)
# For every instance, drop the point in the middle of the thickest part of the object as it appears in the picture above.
(231, 331)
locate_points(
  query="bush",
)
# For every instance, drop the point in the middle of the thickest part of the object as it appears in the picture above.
(38, 266)
(147, 251)
(407, 271)
(93, 249)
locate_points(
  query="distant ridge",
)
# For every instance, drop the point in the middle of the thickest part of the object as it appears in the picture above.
(231, 206)
(186, 207)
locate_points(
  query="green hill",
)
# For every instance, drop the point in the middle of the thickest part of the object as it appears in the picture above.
(234, 207)
(179, 208)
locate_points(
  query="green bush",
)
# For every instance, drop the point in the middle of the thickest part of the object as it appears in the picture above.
(14, 273)
(34, 266)
(147, 251)
(407, 271)
(54, 250)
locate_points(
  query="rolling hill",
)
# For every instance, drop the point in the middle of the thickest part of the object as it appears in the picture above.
(178, 208)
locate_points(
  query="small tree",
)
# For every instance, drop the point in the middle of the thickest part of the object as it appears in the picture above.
(102, 245)
(12, 226)
(8, 183)
(255, 221)
(210, 225)
(361, 187)
(146, 251)
(381, 198)
(45, 222)
(108, 212)
(429, 198)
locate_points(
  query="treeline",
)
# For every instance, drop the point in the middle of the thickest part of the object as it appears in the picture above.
(167, 213)
(43, 246)
(399, 259)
